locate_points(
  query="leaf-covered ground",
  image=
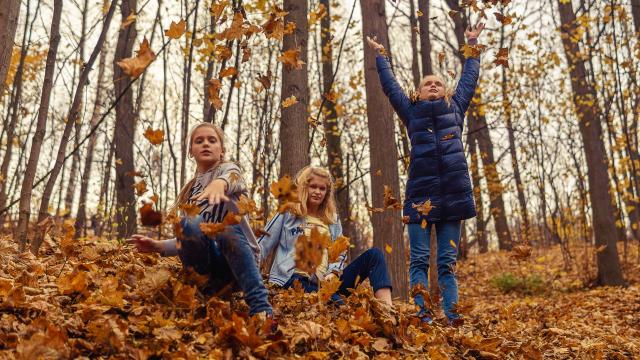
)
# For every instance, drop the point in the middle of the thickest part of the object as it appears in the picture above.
(100, 299)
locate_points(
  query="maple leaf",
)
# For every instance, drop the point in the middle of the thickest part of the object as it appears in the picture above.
(176, 30)
(290, 59)
(74, 282)
(213, 229)
(217, 7)
(128, 21)
(505, 20)
(141, 187)
(274, 28)
(230, 71)
(135, 66)
(190, 209)
(155, 137)
(284, 189)
(328, 288)
(502, 57)
(291, 100)
(337, 247)
(235, 31)
(309, 250)
(265, 80)
(214, 93)
(472, 50)
(150, 217)
(390, 201)
(246, 205)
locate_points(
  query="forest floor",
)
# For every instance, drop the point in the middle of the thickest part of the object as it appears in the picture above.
(97, 298)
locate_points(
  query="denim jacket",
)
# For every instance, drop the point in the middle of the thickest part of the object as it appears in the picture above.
(283, 231)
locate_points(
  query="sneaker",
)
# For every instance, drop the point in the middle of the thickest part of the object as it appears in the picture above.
(426, 316)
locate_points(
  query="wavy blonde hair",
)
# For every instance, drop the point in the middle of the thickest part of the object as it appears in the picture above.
(448, 91)
(183, 195)
(328, 210)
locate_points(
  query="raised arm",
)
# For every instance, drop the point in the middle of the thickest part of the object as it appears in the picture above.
(470, 72)
(390, 86)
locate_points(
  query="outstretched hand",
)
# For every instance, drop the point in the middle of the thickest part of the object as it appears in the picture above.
(473, 32)
(145, 244)
(214, 193)
(375, 45)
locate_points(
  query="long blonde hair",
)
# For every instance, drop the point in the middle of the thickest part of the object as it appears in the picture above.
(183, 195)
(328, 210)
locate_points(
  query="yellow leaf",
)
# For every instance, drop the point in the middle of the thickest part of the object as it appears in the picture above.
(453, 244)
(388, 248)
(309, 250)
(176, 30)
(340, 245)
(424, 224)
(328, 288)
(472, 50)
(128, 21)
(291, 100)
(420, 13)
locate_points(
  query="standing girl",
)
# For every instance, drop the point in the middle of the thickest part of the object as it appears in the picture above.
(438, 171)
(317, 209)
(230, 257)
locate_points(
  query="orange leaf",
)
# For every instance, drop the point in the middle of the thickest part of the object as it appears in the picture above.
(234, 32)
(135, 66)
(128, 21)
(505, 20)
(265, 80)
(328, 288)
(141, 187)
(155, 137)
(340, 245)
(214, 93)
(230, 71)
(472, 50)
(502, 57)
(176, 30)
(150, 217)
(388, 248)
(424, 208)
(309, 250)
(290, 59)
(190, 209)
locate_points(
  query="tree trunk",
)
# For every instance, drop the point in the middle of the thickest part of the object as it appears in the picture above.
(124, 129)
(71, 120)
(332, 131)
(294, 126)
(38, 137)
(425, 42)
(186, 97)
(81, 216)
(9, 13)
(413, 22)
(585, 102)
(635, 12)
(387, 228)
(476, 116)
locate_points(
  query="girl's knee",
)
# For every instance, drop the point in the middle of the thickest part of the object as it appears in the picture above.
(375, 254)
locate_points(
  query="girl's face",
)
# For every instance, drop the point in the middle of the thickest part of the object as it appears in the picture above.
(432, 88)
(317, 188)
(206, 147)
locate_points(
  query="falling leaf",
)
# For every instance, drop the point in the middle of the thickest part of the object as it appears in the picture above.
(453, 13)
(420, 13)
(309, 250)
(214, 93)
(337, 247)
(190, 209)
(274, 28)
(128, 21)
(135, 66)
(246, 205)
(328, 288)
(521, 252)
(291, 100)
(453, 244)
(441, 57)
(141, 187)
(472, 50)
(502, 57)
(150, 217)
(423, 224)
(176, 30)
(448, 137)
(379, 172)
(390, 201)
(235, 31)
(230, 71)
(265, 80)
(388, 248)
(405, 219)
(284, 189)
(505, 20)
(213, 229)
(290, 59)
(155, 137)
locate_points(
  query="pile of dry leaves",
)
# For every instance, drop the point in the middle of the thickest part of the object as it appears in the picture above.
(101, 299)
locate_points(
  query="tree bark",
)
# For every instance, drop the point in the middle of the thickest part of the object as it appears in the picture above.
(387, 227)
(294, 126)
(332, 131)
(413, 22)
(425, 42)
(38, 137)
(586, 105)
(9, 13)
(124, 129)
(81, 216)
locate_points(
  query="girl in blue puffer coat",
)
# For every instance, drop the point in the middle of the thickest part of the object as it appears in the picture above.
(438, 171)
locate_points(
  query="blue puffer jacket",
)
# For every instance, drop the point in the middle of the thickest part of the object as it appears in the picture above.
(438, 168)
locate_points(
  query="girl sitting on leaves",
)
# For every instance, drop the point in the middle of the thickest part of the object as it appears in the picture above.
(317, 210)
(231, 256)
(438, 191)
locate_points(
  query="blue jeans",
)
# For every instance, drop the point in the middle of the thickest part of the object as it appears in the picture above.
(419, 239)
(369, 265)
(225, 259)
